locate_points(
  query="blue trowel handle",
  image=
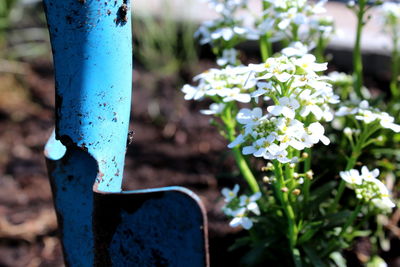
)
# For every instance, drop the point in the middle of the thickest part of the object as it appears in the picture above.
(92, 49)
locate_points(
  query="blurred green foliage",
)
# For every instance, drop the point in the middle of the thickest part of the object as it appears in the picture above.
(23, 32)
(5, 10)
(164, 45)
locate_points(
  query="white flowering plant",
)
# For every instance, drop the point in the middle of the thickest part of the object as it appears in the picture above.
(287, 114)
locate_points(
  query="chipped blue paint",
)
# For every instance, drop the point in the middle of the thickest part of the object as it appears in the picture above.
(92, 53)
(100, 224)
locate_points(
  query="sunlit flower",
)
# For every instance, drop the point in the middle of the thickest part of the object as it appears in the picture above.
(351, 177)
(367, 114)
(286, 107)
(368, 188)
(297, 49)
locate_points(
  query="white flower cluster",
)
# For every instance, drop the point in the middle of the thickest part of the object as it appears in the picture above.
(340, 78)
(269, 136)
(297, 90)
(228, 84)
(343, 86)
(368, 188)
(363, 112)
(295, 19)
(228, 26)
(391, 17)
(239, 208)
(224, 30)
(227, 7)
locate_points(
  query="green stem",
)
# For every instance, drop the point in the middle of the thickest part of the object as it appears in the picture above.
(287, 208)
(319, 50)
(350, 164)
(295, 32)
(351, 219)
(265, 44)
(240, 160)
(357, 56)
(395, 69)
(245, 170)
(349, 222)
(307, 182)
(265, 47)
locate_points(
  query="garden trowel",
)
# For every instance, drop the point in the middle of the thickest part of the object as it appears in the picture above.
(101, 225)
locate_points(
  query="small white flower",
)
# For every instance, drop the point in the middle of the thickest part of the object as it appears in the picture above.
(250, 118)
(236, 94)
(238, 140)
(240, 219)
(295, 49)
(215, 108)
(192, 92)
(262, 89)
(230, 194)
(369, 175)
(344, 111)
(228, 57)
(351, 177)
(286, 107)
(308, 64)
(316, 133)
(250, 202)
(366, 115)
(260, 146)
(387, 122)
(384, 203)
(278, 153)
(383, 200)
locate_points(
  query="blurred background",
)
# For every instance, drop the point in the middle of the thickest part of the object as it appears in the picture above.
(173, 143)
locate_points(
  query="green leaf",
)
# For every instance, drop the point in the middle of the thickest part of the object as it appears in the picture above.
(357, 233)
(313, 256)
(240, 242)
(376, 261)
(338, 259)
(297, 258)
(309, 231)
(318, 196)
(337, 218)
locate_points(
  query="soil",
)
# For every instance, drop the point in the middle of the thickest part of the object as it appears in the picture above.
(172, 145)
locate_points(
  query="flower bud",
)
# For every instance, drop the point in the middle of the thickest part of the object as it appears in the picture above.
(266, 179)
(348, 132)
(296, 192)
(295, 175)
(310, 174)
(270, 166)
(351, 3)
(264, 168)
(304, 155)
(284, 189)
